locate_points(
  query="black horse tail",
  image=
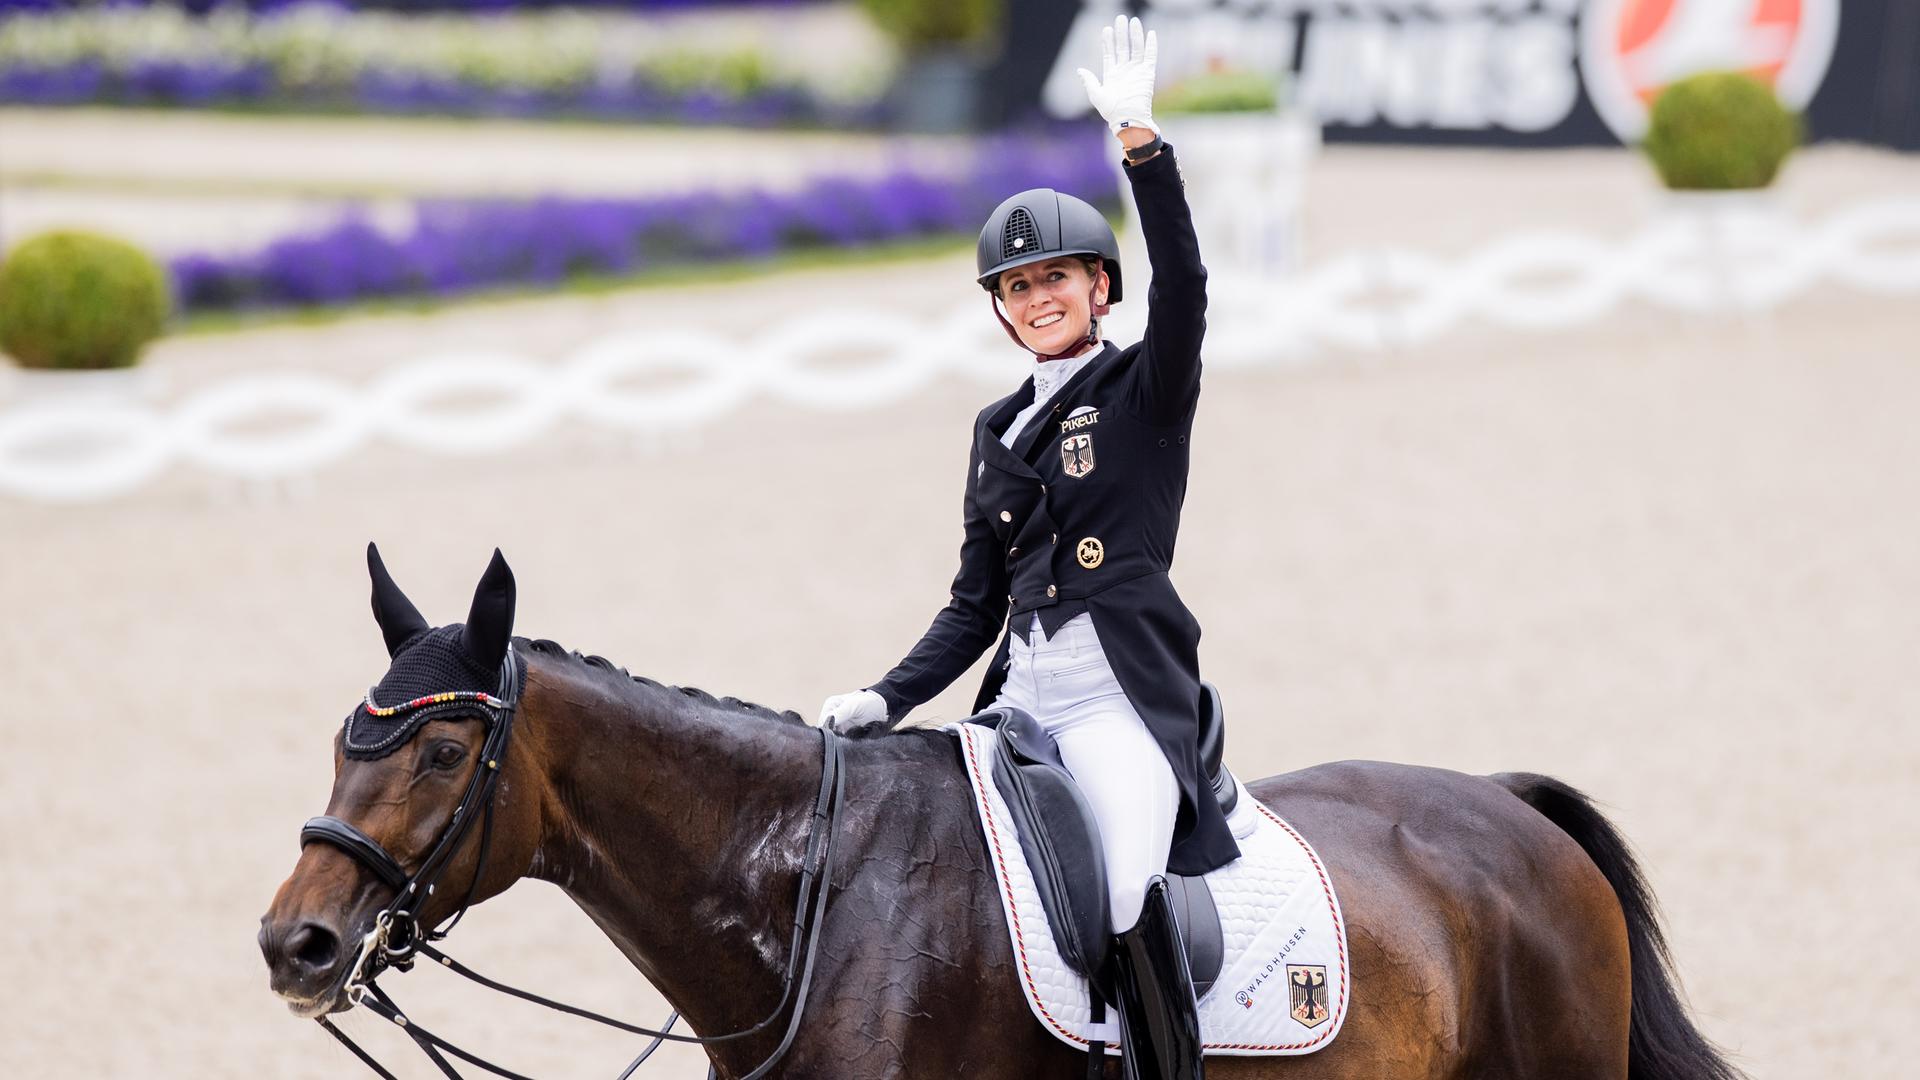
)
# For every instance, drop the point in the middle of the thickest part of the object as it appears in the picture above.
(1662, 1043)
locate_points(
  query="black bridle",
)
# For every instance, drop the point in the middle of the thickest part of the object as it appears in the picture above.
(398, 935)
(398, 929)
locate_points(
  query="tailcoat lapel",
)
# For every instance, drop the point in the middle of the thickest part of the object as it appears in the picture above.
(1040, 425)
(1045, 423)
(994, 423)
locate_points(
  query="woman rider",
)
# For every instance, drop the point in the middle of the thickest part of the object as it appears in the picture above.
(1073, 497)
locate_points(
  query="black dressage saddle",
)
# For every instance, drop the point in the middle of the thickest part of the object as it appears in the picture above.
(1061, 841)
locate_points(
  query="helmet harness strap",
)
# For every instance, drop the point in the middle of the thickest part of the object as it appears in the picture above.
(1097, 308)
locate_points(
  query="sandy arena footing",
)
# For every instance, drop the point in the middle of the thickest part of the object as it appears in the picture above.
(1668, 559)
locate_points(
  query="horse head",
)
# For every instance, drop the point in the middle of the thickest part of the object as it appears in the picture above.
(398, 851)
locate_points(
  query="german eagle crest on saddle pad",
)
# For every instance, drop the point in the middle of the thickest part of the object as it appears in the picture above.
(1264, 933)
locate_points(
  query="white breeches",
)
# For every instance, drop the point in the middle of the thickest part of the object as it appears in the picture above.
(1068, 686)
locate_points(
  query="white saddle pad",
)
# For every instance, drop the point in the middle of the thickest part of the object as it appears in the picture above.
(1285, 981)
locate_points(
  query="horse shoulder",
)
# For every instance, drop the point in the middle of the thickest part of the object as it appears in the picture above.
(924, 975)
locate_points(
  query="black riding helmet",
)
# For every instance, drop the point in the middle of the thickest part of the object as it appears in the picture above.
(1041, 224)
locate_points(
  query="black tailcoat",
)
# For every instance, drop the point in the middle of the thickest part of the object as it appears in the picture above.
(1081, 515)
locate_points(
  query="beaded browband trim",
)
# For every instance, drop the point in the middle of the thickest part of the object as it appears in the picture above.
(478, 696)
(405, 719)
(417, 712)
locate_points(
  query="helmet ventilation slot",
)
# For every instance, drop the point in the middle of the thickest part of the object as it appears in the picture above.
(1019, 236)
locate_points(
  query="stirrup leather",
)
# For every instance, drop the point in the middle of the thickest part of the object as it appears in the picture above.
(1159, 1018)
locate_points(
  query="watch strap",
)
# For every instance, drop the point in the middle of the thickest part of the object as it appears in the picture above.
(1138, 154)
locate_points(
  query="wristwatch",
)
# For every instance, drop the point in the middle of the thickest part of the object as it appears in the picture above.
(1138, 154)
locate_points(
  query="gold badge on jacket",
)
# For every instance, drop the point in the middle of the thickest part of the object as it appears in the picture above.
(1076, 455)
(1090, 552)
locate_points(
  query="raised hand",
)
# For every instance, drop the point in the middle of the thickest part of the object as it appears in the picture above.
(1123, 93)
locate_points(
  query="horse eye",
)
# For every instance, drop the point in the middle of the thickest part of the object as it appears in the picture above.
(447, 755)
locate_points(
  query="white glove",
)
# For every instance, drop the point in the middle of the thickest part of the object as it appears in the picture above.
(842, 712)
(1124, 91)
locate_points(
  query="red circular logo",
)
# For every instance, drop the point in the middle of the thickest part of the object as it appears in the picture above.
(1631, 49)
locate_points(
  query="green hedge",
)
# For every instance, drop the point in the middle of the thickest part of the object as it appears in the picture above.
(79, 300)
(1221, 91)
(918, 24)
(1720, 131)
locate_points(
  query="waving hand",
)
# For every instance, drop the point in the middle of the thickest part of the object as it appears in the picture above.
(1124, 91)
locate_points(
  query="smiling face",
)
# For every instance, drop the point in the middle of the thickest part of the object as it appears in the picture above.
(1050, 303)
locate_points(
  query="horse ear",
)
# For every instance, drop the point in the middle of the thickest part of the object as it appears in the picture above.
(490, 622)
(399, 620)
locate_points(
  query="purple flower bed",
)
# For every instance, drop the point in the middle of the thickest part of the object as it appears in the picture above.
(150, 83)
(390, 93)
(461, 246)
(421, 5)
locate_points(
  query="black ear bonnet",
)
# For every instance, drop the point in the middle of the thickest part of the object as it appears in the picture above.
(435, 677)
(451, 672)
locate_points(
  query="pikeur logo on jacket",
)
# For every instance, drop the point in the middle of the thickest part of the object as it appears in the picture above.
(1081, 514)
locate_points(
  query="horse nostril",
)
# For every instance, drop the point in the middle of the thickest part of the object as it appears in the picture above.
(313, 946)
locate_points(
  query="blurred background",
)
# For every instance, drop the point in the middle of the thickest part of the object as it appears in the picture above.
(1560, 415)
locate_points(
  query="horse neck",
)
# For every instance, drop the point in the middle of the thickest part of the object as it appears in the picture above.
(679, 826)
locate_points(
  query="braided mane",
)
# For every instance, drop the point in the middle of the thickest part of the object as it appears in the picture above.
(607, 667)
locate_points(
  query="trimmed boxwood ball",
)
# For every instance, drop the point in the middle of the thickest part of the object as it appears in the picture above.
(74, 299)
(1221, 91)
(920, 24)
(1720, 131)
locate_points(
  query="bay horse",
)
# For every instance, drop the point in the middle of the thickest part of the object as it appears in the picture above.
(1499, 926)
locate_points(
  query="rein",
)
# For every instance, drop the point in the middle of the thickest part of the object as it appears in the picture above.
(398, 937)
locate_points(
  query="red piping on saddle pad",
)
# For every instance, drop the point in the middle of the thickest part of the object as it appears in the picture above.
(1019, 939)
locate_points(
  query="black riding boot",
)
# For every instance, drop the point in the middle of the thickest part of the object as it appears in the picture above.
(1159, 1019)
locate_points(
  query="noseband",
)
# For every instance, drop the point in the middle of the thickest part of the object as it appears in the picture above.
(398, 935)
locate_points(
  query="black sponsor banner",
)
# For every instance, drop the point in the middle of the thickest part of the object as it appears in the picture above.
(1496, 72)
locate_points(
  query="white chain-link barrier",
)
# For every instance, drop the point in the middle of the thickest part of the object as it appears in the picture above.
(1732, 257)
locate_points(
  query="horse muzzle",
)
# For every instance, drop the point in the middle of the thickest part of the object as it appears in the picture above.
(307, 963)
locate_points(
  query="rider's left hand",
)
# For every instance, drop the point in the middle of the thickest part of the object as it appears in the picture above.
(1124, 91)
(844, 712)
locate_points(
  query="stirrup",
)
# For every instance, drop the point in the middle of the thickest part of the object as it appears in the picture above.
(1159, 1018)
